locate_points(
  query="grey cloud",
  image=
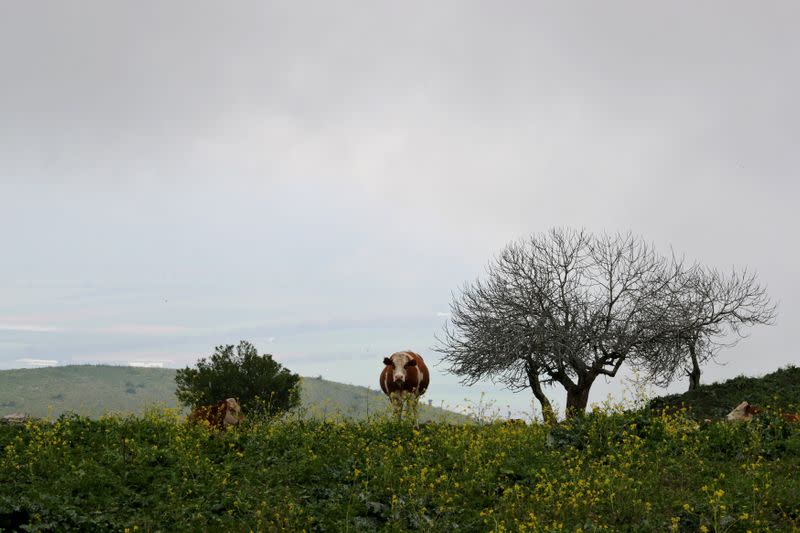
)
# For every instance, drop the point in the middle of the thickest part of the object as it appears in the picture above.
(267, 162)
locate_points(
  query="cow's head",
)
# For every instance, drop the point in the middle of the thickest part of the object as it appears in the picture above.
(399, 362)
(233, 412)
(743, 411)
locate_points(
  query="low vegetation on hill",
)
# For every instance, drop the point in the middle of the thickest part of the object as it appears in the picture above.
(614, 471)
(780, 389)
(94, 390)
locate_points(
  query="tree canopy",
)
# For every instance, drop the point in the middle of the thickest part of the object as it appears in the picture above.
(259, 383)
(710, 311)
(565, 307)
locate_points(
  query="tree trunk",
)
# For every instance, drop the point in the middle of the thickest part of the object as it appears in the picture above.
(577, 399)
(694, 375)
(548, 414)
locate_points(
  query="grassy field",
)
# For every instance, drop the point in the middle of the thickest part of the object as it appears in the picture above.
(94, 390)
(613, 471)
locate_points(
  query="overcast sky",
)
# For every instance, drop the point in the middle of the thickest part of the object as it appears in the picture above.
(318, 177)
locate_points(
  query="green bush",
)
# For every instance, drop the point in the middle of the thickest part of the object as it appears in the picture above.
(259, 383)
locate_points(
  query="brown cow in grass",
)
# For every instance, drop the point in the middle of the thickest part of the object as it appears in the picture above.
(221, 415)
(404, 379)
(745, 412)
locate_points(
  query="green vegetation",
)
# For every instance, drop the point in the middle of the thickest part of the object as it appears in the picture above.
(780, 388)
(617, 471)
(261, 384)
(316, 469)
(92, 391)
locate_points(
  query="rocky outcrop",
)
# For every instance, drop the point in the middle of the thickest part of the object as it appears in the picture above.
(16, 419)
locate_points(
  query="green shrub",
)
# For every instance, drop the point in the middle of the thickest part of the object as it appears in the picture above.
(259, 383)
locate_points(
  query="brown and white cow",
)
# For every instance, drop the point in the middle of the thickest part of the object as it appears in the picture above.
(745, 412)
(220, 415)
(404, 379)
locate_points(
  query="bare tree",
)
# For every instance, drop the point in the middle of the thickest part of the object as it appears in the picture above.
(710, 310)
(561, 308)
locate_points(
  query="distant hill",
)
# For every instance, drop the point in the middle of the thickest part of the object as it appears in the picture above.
(93, 390)
(778, 389)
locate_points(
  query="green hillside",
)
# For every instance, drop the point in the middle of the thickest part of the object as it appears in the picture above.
(780, 389)
(323, 398)
(93, 390)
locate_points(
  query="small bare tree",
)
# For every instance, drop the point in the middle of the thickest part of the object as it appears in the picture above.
(710, 310)
(561, 308)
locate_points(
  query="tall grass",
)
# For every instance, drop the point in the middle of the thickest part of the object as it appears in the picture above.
(611, 470)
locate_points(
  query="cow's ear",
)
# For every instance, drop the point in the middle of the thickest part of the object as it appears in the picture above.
(413, 362)
(387, 361)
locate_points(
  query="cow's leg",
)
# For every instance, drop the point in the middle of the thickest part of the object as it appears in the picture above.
(410, 409)
(403, 404)
(408, 403)
(414, 404)
(396, 399)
